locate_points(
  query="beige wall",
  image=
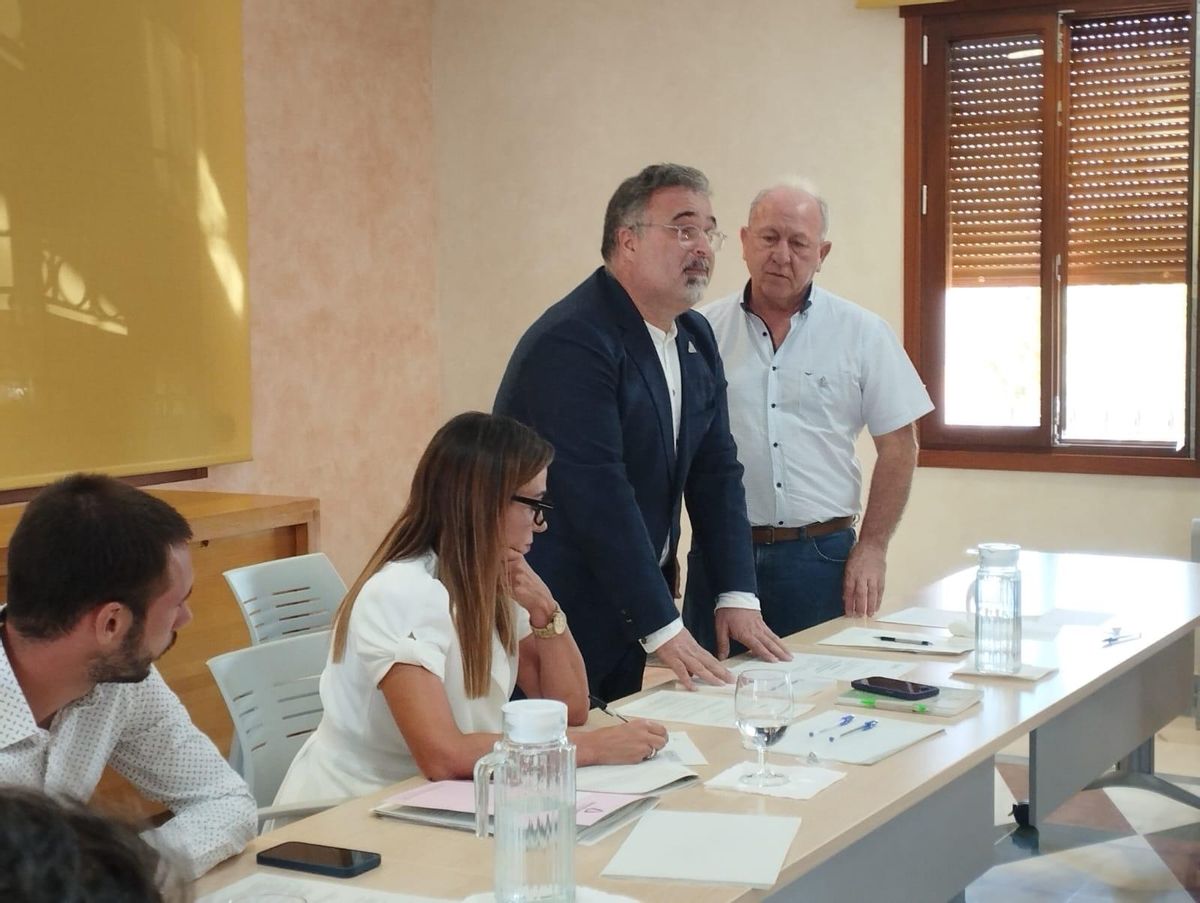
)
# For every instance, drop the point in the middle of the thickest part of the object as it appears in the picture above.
(344, 341)
(542, 106)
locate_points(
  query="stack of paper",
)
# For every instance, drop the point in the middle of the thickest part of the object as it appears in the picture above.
(895, 641)
(824, 668)
(658, 775)
(451, 804)
(270, 885)
(840, 737)
(707, 709)
(706, 846)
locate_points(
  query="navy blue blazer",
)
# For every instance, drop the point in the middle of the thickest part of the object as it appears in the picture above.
(586, 376)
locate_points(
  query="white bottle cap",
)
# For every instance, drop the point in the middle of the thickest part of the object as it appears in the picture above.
(998, 554)
(534, 720)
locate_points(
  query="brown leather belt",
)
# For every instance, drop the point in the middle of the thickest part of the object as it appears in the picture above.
(768, 535)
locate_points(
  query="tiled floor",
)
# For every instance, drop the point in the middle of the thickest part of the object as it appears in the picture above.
(1115, 844)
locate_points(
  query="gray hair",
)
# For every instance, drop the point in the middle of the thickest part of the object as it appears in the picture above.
(629, 201)
(797, 183)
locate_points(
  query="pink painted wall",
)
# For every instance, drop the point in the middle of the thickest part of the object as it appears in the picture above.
(345, 357)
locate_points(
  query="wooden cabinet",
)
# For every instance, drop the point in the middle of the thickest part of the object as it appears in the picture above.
(230, 530)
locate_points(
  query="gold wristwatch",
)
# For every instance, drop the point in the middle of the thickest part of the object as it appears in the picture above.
(556, 626)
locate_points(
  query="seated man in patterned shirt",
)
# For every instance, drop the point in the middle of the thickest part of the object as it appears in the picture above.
(99, 576)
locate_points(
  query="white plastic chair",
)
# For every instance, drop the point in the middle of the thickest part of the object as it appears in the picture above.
(287, 596)
(271, 691)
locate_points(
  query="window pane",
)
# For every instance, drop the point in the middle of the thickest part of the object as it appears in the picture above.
(1126, 358)
(993, 356)
(993, 302)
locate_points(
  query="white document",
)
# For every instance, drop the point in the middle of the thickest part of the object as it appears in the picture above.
(309, 890)
(681, 749)
(802, 687)
(824, 668)
(924, 617)
(656, 775)
(706, 846)
(705, 709)
(1029, 671)
(838, 737)
(919, 643)
(804, 781)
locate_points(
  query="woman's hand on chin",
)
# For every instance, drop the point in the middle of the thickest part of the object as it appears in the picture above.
(528, 590)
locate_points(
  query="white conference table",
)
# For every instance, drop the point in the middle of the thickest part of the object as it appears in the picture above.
(917, 826)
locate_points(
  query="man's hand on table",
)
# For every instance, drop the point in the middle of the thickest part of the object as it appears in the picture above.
(689, 660)
(748, 627)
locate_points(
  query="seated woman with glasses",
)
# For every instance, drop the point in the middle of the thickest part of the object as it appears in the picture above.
(442, 623)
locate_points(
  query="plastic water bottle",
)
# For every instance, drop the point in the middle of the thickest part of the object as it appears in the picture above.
(996, 596)
(533, 767)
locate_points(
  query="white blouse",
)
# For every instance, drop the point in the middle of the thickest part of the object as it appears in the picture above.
(402, 615)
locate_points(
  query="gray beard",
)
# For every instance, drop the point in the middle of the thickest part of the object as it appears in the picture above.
(694, 290)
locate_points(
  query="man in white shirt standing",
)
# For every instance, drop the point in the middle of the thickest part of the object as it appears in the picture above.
(99, 576)
(807, 371)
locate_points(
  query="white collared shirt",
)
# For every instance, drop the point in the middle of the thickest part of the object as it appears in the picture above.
(796, 411)
(144, 732)
(667, 350)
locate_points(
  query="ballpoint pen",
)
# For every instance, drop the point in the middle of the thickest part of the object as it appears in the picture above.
(842, 722)
(865, 726)
(603, 706)
(1117, 637)
(897, 639)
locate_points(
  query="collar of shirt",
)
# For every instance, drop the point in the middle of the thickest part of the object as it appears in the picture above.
(16, 718)
(805, 302)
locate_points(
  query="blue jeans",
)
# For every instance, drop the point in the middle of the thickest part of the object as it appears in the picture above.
(799, 585)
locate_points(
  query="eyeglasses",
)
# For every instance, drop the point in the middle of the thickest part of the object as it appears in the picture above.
(539, 508)
(689, 235)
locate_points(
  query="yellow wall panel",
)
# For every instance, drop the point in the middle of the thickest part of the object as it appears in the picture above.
(124, 333)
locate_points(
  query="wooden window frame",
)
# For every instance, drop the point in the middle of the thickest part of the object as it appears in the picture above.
(1011, 448)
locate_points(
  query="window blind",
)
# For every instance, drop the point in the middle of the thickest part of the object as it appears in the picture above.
(1127, 149)
(994, 91)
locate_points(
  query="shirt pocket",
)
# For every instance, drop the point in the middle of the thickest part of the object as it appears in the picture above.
(821, 398)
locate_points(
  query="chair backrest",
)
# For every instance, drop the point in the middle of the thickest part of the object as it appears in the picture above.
(271, 691)
(287, 596)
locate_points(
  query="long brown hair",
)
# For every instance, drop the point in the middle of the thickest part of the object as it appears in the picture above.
(462, 486)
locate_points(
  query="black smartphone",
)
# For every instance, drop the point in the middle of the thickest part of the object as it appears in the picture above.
(336, 862)
(890, 686)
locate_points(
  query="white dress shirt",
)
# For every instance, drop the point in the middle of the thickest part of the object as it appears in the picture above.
(796, 411)
(144, 732)
(668, 356)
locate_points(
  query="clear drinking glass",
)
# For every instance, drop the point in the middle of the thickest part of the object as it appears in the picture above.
(763, 709)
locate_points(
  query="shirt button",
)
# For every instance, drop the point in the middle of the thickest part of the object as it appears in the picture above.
(764, 335)
(775, 445)
(774, 368)
(778, 485)
(781, 523)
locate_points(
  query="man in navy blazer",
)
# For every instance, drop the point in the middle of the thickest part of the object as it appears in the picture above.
(626, 382)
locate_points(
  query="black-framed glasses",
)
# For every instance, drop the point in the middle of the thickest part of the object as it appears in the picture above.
(539, 508)
(689, 235)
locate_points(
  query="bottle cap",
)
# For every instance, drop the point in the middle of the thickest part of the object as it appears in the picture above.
(534, 720)
(998, 554)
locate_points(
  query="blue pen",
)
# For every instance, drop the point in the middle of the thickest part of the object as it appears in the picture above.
(865, 726)
(842, 722)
